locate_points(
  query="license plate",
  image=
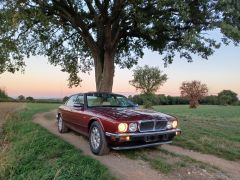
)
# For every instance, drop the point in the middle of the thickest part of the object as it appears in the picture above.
(150, 138)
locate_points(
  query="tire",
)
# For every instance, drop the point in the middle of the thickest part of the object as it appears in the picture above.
(62, 128)
(97, 140)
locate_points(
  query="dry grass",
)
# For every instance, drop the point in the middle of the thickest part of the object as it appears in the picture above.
(6, 109)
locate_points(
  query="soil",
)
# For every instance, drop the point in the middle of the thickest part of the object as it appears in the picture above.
(125, 168)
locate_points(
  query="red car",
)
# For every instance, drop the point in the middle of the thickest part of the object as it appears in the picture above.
(112, 121)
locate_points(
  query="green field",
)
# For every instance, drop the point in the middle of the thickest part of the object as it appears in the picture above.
(27, 151)
(208, 129)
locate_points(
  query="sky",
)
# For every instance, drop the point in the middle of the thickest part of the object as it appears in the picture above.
(43, 80)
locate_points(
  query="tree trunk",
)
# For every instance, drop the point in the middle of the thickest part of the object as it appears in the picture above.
(193, 103)
(104, 72)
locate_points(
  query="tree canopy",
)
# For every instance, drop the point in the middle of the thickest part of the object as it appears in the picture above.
(148, 79)
(193, 91)
(79, 34)
(227, 97)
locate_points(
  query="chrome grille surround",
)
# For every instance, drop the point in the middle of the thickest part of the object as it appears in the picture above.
(152, 125)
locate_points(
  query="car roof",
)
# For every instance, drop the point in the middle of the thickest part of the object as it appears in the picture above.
(95, 92)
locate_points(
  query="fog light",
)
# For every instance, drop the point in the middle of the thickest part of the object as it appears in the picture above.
(122, 127)
(178, 133)
(124, 138)
(133, 127)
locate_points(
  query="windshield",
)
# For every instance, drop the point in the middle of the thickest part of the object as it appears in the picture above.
(108, 100)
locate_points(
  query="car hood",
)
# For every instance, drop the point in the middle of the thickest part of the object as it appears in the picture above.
(129, 114)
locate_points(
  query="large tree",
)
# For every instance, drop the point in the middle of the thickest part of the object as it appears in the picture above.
(78, 34)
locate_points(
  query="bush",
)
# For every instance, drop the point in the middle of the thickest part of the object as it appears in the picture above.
(3, 94)
(147, 104)
(227, 97)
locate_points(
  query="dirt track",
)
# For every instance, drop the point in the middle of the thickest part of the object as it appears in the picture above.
(120, 166)
(125, 168)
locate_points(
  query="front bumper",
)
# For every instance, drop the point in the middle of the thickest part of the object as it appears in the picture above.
(139, 140)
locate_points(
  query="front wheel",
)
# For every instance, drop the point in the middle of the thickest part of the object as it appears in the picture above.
(62, 128)
(97, 140)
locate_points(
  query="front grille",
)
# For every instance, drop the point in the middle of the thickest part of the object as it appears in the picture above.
(152, 125)
(160, 125)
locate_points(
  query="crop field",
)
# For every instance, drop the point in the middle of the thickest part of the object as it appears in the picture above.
(208, 129)
(8, 108)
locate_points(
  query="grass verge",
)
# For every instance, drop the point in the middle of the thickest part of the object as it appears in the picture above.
(30, 152)
(208, 129)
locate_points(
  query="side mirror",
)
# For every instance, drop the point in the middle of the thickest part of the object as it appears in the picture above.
(78, 105)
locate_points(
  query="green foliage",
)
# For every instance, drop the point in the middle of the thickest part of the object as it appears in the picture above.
(227, 97)
(30, 99)
(21, 98)
(211, 100)
(208, 129)
(148, 79)
(77, 34)
(37, 154)
(160, 99)
(65, 99)
(3, 94)
(147, 104)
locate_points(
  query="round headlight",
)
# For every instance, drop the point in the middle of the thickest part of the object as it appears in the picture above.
(169, 125)
(174, 124)
(122, 127)
(133, 127)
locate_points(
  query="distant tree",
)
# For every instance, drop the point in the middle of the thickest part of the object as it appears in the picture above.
(211, 100)
(162, 99)
(193, 91)
(148, 79)
(65, 99)
(30, 99)
(227, 97)
(3, 94)
(21, 98)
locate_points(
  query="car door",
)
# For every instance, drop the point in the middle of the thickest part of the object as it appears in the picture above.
(79, 115)
(67, 109)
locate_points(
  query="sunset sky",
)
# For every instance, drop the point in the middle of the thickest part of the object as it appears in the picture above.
(42, 80)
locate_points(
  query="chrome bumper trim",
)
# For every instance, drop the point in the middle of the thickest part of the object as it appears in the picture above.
(140, 146)
(143, 133)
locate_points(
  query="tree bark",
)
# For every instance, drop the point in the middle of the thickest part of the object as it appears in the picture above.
(104, 72)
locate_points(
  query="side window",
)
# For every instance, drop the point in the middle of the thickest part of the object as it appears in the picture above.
(80, 99)
(71, 100)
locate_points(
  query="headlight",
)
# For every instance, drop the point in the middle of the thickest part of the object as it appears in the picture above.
(133, 127)
(174, 124)
(122, 127)
(169, 125)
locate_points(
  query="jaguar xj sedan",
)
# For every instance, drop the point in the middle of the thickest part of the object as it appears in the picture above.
(111, 121)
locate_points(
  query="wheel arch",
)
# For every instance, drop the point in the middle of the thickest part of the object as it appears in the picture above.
(93, 120)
